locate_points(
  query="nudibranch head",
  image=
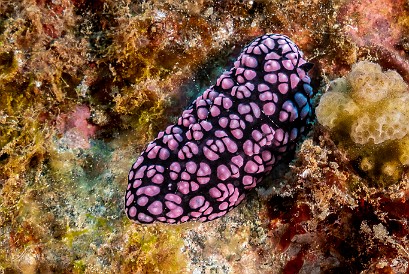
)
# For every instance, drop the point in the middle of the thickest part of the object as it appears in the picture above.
(227, 140)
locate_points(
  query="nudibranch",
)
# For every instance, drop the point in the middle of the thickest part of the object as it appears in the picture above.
(227, 140)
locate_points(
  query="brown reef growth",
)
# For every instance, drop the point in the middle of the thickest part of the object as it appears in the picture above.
(85, 84)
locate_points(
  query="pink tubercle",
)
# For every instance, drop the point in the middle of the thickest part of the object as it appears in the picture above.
(214, 192)
(130, 175)
(262, 87)
(269, 43)
(195, 214)
(175, 212)
(202, 113)
(257, 135)
(191, 167)
(247, 180)
(220, 134)
(173, 175)
(294, 80)
(172, 144)
(230, 145)
(145, 218)
(158, 179)
(283, 116)
(204, 169)
(271, 65)
(206, 125)
(197, 135)
(173, 198)
(237, 133)
(233, 198)
(266, 96)
(194, 186)
(227, 103)
(249, 61)
(214, 111)
(183, 187)
(185, 176)
(288, 64)
(151, 171)
(251, 167)
(256, 110)
(237, 160)
(285, 48)
(263, 48)
(249, 74)
(234, 123)
(279, 135)
(227, 83)
(175, 166)
(142, 201)
(270, 78)
(272, 56)
(140, 173)
(223, 206)
(129, 200)
(282, 77)
(257, 50)
(248, 147)
(138, 162)
(208, 211)
(243, 109)
(223, 172)
(136, 183)
(283, 88)
(269, 108)
(203, 180)
(148, 191)
(210, 154)
(132, 211)
(196, 202)
(266, 155)
(155, 208)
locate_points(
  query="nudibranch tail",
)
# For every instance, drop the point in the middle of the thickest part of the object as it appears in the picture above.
(228, 139)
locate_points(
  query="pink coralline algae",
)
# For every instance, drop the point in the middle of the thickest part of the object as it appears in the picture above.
(76, 128)
(227, 140)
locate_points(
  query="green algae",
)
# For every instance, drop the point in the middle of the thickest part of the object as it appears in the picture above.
(79, 266)
(94, 228)
(155, 250)
(73, 235)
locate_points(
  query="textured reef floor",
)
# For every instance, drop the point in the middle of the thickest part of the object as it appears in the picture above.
(85, 85)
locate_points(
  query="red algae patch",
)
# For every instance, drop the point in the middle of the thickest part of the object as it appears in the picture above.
(325, 219)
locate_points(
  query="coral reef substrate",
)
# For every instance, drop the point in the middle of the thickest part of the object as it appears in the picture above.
(86, 84)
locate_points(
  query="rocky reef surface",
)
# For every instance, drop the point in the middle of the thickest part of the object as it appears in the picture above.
(85, 85)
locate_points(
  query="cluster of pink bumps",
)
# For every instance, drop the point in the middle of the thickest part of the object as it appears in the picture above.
(228, 139)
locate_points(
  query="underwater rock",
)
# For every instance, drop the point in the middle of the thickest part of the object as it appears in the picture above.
(227, 140)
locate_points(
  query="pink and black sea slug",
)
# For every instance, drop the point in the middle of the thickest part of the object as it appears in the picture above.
(227, 140)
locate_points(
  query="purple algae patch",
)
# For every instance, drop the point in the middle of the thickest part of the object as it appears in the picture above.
(227, 140)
